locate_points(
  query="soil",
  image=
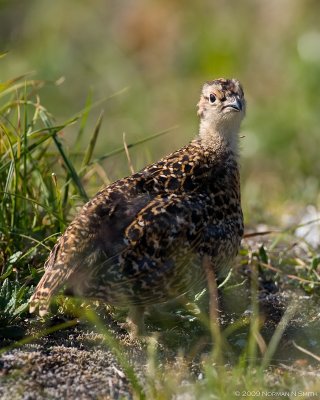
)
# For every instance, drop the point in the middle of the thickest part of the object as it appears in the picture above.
(76, 362)
(72, 363)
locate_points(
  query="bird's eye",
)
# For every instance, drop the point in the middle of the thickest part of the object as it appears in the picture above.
(212, 98)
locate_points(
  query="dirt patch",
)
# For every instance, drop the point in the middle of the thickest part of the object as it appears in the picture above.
(76, 363)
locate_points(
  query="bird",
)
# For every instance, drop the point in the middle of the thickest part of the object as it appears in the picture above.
(142, 240)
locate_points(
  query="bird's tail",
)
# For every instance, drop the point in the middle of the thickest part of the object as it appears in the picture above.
(54, 277)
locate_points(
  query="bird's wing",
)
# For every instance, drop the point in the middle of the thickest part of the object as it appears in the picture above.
(161, 252)
(166, 220)
(165, 235)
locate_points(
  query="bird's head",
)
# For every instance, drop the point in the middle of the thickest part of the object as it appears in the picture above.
(221, 109)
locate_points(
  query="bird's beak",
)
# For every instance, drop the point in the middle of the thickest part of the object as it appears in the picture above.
(235, 104)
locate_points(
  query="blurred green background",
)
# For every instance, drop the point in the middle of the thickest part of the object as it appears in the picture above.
(162, 51)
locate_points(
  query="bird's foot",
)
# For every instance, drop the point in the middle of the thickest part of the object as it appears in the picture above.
(135, 322)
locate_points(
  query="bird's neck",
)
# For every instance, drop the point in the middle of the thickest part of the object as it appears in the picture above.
(219, 137)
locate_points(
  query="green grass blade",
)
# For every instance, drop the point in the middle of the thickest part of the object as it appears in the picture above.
(98, 103)
(272, 347)
(36, 202)
(131, 145)
(84, 119)
(92, 143)
(44, 136)
(73, 174)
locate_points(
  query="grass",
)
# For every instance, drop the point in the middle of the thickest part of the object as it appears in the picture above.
(40, 189)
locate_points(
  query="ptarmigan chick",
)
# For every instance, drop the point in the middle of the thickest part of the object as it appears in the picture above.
(142, 239)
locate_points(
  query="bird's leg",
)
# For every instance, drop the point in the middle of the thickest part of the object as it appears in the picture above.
(135, 321)
(213, 309)
(213, 293)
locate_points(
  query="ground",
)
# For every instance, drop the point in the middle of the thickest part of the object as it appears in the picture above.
(82, 362)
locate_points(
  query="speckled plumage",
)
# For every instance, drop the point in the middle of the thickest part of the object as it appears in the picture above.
(141, 240)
